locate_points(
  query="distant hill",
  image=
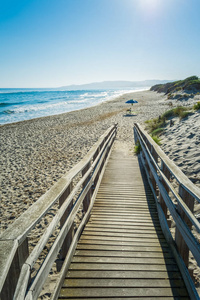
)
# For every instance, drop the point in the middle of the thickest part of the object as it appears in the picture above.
(113, 85)
(189, 85)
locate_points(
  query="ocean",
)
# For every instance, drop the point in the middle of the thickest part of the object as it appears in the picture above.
(25, 104)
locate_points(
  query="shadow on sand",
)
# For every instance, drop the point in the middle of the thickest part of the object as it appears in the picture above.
(130, 115)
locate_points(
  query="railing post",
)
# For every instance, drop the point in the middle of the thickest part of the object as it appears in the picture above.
(181, 245)
(97, 176)
(67, 242)
(166, 172)
(86, 201)
(14, 272)
(155, 156)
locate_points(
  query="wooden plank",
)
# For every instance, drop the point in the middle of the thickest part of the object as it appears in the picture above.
(122, 234)
(126, 205)
(135, 197)
(120, 223)
(136, 208)
(116, 226)
(115, 243)
(124, 260)
(124, 214)
(121, 283)
(7, 253)
(123, 274)
(112, 253)
(124, 267)
(126, 292)
(122, 248)
(123, 230)
(122, 239)
(130, 298)
(124, 208)
(125, 220)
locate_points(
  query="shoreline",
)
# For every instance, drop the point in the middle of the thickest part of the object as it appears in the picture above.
(54, 115)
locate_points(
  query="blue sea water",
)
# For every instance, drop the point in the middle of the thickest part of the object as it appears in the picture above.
(24, 104)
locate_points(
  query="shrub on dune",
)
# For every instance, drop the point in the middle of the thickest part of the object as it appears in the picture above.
(196, 106)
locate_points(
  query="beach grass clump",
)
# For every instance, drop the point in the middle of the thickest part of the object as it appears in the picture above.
(156, 139)
(156, 126)
(168, 114)
(181, 111)
(196, 106)
(157, 131)
(155, 123)
(137, 148)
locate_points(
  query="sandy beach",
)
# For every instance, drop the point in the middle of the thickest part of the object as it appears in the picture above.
(36, 153)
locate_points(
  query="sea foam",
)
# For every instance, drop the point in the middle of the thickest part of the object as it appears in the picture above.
(24, 104)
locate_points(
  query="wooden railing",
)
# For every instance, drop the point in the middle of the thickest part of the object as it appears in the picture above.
(176, 204)
(16, 264)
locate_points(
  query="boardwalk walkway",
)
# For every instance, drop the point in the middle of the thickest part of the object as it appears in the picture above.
(122, 253)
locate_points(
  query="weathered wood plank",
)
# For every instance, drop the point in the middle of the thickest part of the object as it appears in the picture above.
(124, 267)
(109, 282)
(124, 260)
(121, 223)
(123, 230)
(129, 215)
(126, 227)
(115, 243)
(123, 274)
(125, 254)
(126, 292)
(122, 234)
(125, 220)
(122, 248)
(130, 298)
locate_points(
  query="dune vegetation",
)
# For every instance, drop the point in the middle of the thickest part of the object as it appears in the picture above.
(190, 85)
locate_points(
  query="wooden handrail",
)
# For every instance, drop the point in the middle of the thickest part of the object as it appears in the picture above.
(15, 237)
(160, 170)
(181, 178)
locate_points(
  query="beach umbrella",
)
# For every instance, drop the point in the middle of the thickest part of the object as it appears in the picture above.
(131, 101)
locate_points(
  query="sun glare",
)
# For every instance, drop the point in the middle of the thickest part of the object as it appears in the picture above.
(150, 7)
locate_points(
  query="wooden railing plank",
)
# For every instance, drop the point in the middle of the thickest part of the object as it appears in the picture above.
(162, 176)
(12, 274)
(183, 213)
(69, 236)
(175, 171)
(7, 253)
(181, 244)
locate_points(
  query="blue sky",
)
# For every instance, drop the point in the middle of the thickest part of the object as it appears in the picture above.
(51, 43)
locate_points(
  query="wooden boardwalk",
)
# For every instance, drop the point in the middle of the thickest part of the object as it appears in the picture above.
(122, 253)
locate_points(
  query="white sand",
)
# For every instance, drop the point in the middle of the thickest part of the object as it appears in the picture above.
(181, 143)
